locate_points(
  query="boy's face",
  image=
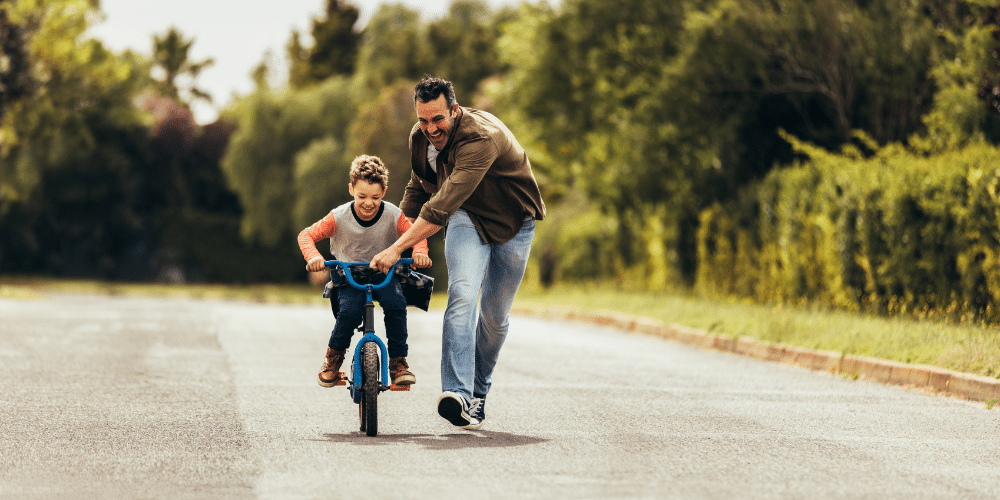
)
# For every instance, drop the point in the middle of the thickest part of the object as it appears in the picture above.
(367, 198)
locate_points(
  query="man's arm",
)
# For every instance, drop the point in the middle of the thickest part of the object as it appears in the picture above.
(419, 231)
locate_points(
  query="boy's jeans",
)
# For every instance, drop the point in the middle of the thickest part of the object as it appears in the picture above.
(470, 346)
(351, 313)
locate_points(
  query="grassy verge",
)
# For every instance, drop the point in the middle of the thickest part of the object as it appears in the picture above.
(966, 348)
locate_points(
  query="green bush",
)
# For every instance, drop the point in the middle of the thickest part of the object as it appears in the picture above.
(892, 233)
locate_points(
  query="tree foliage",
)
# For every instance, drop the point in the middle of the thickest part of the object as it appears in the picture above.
(260, 164)
(16, 80)
(392, 48)
(71, 152)
(171, 57)
(645, 118)
(382, 129)
(464, 45)
(672, 106)
(334, 50)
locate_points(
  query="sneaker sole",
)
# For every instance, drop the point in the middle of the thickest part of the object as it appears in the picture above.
(474, 427)
(451, 410)
(405, 380)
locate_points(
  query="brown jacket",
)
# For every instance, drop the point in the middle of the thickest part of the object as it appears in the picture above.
(481, 169)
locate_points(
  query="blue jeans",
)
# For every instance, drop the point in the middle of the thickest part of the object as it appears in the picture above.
(350, 308)
(493, 272)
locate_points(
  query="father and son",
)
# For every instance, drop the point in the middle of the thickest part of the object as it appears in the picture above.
(470, 176)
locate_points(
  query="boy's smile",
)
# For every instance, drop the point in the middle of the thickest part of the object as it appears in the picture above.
(367, 198)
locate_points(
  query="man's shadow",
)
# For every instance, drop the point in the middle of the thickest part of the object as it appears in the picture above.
(470, 439)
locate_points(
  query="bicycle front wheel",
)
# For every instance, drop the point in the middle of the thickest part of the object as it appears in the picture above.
(369, 388)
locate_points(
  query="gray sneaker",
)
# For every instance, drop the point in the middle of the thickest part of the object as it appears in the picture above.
(455, 409)
(477, 410)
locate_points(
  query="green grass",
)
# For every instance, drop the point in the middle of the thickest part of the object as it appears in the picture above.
(966, 348)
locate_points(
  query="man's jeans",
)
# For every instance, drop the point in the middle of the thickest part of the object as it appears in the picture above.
(470, 344)
(351, 313)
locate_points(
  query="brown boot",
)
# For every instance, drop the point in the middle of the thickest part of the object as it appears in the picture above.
(330, 374)
(399, 373)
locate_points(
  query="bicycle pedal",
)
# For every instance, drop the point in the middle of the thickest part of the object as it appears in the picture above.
(343, 379)
(399, 388)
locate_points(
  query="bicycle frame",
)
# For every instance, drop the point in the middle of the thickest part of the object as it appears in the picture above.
(369, 324)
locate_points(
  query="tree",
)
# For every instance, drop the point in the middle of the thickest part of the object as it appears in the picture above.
(595, 77)
(464, 45)
(334, 50)
(393, 48)
(16, 80)
(171, 57)
(670, 106)
(989, 89)
(272, 130)
(71, 151)
(382, 128)
(963, 70)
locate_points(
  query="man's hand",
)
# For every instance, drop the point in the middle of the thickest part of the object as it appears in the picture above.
(384, 260)
(316, 264)
(421, 260)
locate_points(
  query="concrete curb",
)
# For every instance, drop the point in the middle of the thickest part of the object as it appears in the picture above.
(931, 378)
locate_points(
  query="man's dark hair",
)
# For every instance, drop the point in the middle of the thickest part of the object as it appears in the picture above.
(431, 87)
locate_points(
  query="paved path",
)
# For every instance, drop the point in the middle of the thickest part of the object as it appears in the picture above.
(172, 399)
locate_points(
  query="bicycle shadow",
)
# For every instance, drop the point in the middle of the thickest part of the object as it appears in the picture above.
(469, 439)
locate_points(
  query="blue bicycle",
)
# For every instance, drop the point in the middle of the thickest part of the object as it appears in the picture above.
(370, 366)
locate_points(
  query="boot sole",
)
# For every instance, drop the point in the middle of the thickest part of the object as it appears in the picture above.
(405, 380)
(327, 384)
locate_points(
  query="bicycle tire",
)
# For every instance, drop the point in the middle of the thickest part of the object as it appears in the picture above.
(369, 388)
(361, 415)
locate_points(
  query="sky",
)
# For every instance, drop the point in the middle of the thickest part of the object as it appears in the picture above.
(237, 34)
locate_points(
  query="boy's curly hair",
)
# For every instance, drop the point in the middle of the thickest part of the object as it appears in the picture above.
(371, 169)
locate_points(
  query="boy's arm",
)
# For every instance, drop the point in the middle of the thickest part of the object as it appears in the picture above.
(322, 229)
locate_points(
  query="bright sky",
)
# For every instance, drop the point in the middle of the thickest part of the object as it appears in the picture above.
(236, 33)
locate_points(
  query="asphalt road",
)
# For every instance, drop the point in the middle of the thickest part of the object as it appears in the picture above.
(171, 399)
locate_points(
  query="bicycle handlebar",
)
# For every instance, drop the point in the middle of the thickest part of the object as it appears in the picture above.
(350, 279)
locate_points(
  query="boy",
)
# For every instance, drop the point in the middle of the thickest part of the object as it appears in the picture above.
(357, 231)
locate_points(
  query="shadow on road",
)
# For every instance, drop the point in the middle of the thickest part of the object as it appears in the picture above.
(470, 439)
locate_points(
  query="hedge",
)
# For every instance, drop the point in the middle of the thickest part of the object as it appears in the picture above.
(895, 232)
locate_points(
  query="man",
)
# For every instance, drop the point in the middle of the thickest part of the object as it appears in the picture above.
(471, 175)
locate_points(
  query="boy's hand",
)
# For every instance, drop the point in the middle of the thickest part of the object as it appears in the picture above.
(421, 260)
(316, 264)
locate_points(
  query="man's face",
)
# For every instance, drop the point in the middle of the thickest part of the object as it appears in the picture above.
(436, 120)
(367, 198)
